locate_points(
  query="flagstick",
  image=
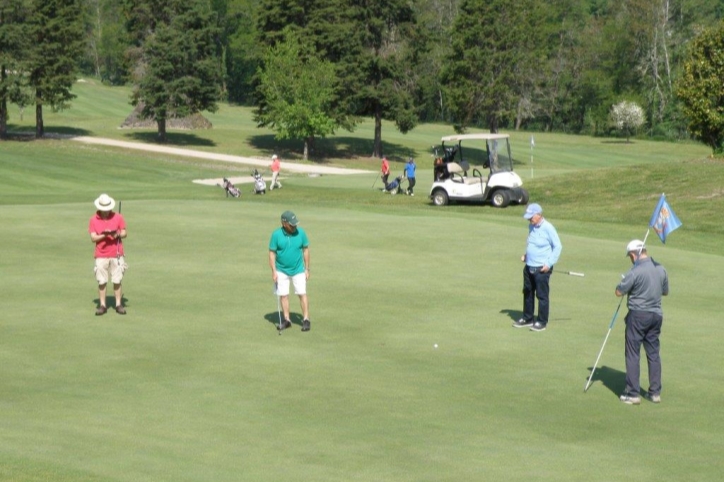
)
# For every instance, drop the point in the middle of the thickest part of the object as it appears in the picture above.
(531, 160)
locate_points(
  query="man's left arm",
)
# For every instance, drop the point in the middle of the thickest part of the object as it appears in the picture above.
(305, 255)
(556, 248)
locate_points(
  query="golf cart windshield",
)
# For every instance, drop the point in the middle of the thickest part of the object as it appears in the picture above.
(499, 155)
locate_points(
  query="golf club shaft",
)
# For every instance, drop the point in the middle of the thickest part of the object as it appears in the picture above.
(279, 307)
(574, 273)
(373, 184)
(610, 327)
(120, 240)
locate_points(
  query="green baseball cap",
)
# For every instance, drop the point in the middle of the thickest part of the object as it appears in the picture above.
(290, 217)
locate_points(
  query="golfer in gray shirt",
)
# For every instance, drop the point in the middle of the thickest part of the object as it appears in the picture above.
(644, 284)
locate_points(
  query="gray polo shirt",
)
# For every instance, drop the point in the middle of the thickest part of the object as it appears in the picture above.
(645, 284)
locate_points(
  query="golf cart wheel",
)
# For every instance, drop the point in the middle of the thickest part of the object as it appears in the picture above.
(440, 198)
(500, 198)
(524, 197)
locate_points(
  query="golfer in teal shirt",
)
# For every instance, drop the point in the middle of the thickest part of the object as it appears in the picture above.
(289, 261)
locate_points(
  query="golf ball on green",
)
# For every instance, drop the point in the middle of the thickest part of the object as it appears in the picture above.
(435, 345)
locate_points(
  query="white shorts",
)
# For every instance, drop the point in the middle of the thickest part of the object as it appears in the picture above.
(299, 281)
(112, 268)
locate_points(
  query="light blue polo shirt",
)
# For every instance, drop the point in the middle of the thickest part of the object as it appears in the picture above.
(544, 246)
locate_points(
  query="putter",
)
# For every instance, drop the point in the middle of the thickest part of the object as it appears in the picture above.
(279, 309)
(120, 241)
(610, 327)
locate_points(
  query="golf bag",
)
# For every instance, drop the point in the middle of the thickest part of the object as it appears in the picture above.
(394, 186)
(230, 189)
(259, 183)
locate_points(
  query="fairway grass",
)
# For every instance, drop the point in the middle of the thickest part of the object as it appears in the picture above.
(195, 384)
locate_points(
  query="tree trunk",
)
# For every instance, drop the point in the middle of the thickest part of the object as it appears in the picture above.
(3, 117)
(161, 130)
(377, 149)
(3, 105)
(39, 126)
(306, 149)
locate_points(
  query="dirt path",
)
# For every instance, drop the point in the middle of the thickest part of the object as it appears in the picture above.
(258, 163)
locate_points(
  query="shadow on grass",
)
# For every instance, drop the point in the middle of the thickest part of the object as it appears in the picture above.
(324, 149)
(514, 315)
(613, 379)
(617, 141)
(173, 139)
(295, 318)
(25, 134)
(111, 301)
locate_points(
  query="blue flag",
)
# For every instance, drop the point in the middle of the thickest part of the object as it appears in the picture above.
(664, 219)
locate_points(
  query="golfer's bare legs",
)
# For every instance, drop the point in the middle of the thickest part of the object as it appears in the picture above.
(285, 306)
(305, 306)
(118, 293)
(102, 294)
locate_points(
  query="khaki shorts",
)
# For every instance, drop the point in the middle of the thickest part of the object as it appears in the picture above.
(110, 268)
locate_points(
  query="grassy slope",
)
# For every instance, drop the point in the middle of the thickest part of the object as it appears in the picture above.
(194, 384)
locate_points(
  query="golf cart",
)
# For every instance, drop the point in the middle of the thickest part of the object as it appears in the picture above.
(458, 175)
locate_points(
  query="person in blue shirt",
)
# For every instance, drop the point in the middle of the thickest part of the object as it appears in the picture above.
(289, 261)
(410, 175)
(541, 254)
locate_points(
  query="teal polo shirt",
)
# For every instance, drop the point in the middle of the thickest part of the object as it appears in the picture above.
(288, 247)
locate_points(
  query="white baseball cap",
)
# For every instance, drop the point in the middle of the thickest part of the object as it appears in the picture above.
(275, 157)
(635, 245)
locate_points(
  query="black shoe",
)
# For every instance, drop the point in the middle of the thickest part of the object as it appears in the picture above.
(285, 324)
(121, 310)
(306, 325)
(522, 323)
(101, 310)
(538, 326)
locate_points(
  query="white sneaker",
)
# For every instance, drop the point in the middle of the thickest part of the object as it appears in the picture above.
(630, 400)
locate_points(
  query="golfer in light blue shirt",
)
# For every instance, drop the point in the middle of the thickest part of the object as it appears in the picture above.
(542, 252)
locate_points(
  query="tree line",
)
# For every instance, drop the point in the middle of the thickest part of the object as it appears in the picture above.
(310, 67)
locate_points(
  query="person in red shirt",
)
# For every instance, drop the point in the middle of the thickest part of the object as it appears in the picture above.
(385, 170)
(107, 229)
(275, 168)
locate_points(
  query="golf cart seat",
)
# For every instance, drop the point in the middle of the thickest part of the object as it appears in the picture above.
(455, 168)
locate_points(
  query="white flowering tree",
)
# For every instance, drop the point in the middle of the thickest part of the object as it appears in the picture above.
(627, 117)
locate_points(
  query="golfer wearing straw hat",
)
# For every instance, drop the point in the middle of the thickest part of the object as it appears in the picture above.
(644, 284)
(107, 229)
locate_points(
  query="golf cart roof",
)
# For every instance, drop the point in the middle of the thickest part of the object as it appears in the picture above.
(486, 136)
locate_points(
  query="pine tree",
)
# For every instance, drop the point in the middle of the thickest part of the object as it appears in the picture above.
(13, 52)
(495, 43)
(56, 28)
(176, 70)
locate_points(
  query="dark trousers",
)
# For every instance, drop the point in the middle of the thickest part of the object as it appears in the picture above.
(410, 184)
(536, 285)
(384, 178)
(642, 327)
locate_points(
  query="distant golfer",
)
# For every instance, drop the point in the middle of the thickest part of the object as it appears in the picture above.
(542, 252)
(410, 169)
(385, 170)
(107, 229)
(275, 168)
(289, 260)
(645, 284)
